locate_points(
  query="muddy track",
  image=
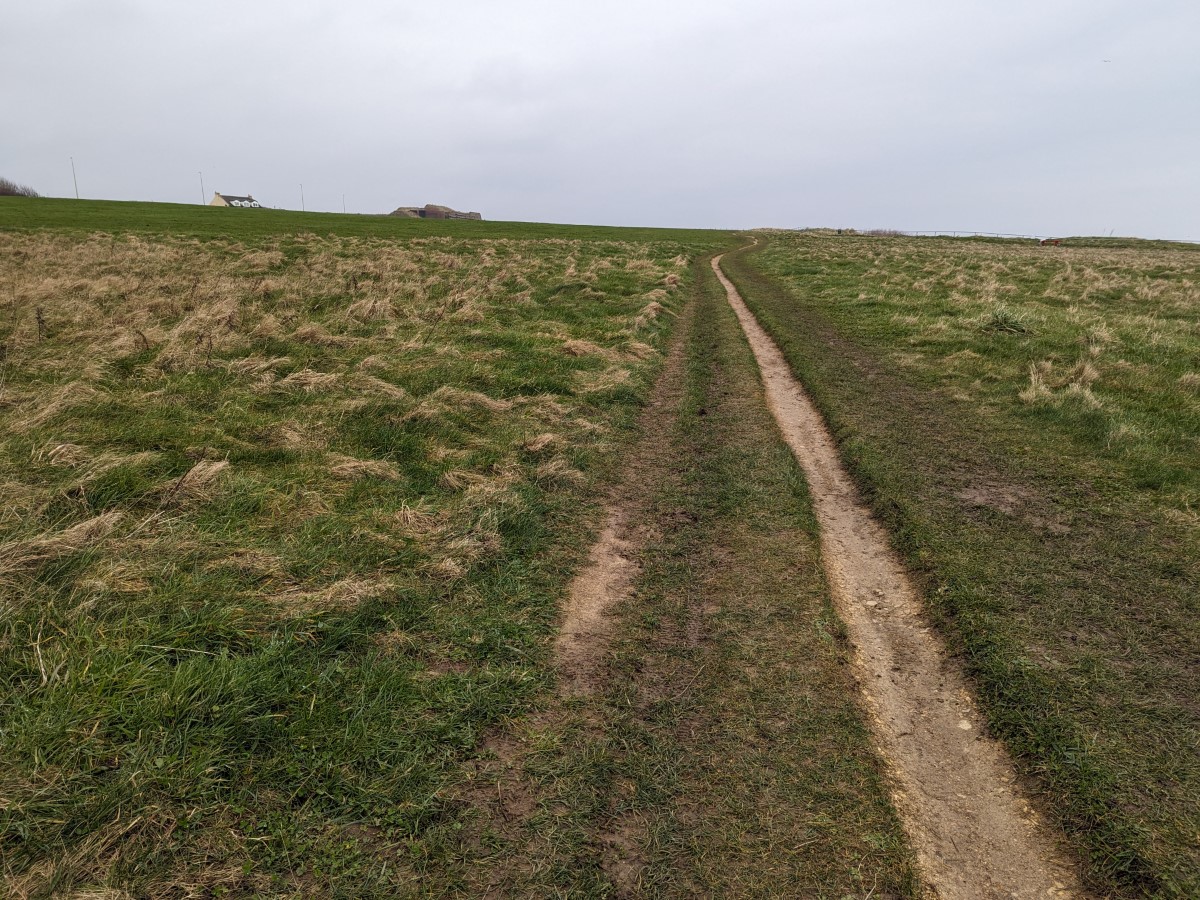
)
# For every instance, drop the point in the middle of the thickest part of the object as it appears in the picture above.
(974, 833)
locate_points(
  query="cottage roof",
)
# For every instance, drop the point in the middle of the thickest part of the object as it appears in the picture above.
(241, 201)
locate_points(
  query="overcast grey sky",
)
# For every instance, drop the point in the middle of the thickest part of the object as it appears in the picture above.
(1046, 117)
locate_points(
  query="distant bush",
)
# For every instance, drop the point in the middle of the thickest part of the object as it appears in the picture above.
(883, 232)
(12, 189)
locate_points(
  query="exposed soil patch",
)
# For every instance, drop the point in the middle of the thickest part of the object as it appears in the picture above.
(975, 835)
(1013, 500)
(503, 802)
(1002, 498)
(604, 581)
(624, 858)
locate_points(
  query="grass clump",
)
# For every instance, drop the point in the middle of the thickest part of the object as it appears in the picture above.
(1005, 320)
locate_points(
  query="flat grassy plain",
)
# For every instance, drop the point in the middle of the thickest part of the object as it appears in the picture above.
(1027, 423)
(288, 505)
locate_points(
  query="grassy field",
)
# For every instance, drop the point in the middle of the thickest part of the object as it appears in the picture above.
(288, 504)
(1027, 422)
(204, 222)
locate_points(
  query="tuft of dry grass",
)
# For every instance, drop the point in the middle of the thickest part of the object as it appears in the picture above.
(370, 309)
(650, 312)
(307, 380)
(20, 556)
(1076, 387)
(374, 363)
(343, 594)
(575, 347)
(197, 484)
(448, 398)
(256, 365)
(65, 454)
(459, 479)
(419, 523)
(641, 350)
(64, 399)
(317, 334)
(1037, 391)
(600, 382)
(350, 468)
(293, 436)
(370, 384)
(541, 442)
(1084, 373)
(558, 471)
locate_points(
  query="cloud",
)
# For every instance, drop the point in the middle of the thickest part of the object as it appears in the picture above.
(919, 115)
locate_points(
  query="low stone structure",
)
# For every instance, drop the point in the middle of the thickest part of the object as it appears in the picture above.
(433, 211)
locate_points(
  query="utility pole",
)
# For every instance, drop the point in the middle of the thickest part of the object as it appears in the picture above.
(203, 195)
(74, 179)
(302, 197)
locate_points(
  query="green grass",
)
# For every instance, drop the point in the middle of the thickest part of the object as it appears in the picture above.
(205, 222)
(286, 521)
(1026, 421)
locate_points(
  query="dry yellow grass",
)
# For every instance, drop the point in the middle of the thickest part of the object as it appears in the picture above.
(99, 321)
(18, 556)
(541, 442)
(349, 467)
(342, 594)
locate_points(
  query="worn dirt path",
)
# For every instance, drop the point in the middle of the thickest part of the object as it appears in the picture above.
(612, 566)
(974, 833)
(601, 584)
